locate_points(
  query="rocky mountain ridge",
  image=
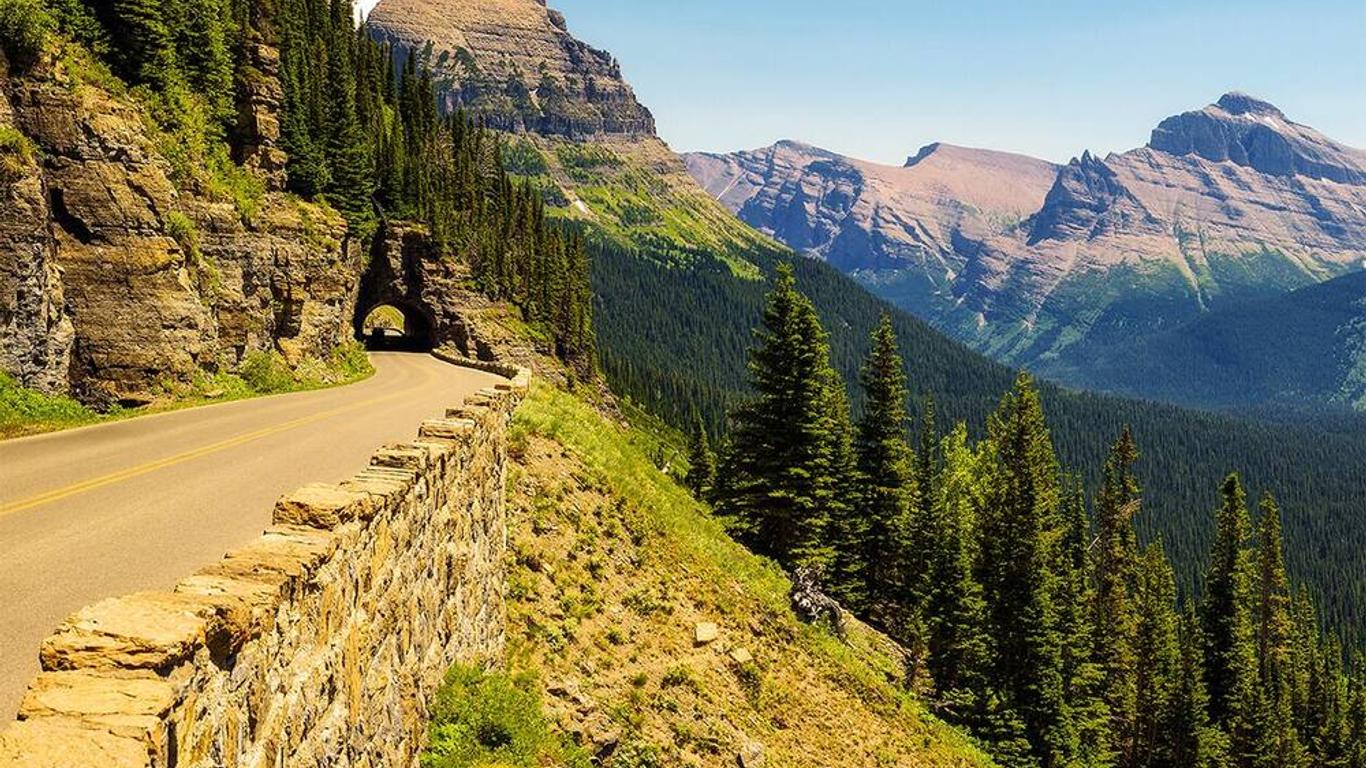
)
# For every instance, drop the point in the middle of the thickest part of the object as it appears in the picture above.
(515, 63)
(859, 215)
(1230, 202)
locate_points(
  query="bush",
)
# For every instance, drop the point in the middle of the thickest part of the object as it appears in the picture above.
(349, 361)
(266, 372)
(24, 29)
(637, 755)
(180, 229)
(489, 718)
(17, 154)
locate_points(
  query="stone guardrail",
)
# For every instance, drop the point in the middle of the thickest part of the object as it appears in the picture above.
(319, 644)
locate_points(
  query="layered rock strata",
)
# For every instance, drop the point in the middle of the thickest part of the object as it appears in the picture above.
(515, 63)
(114, 280)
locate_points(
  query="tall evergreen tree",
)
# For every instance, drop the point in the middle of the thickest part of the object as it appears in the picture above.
(1117, 504)
(781, 464)
(959, 643)
(1230, 643)
(894, 566)
(351, 174)
(701, 460)
(1275, 637)
(145, 52)
(1083, 677)
(1196, 742)
(1156, 729)
(1017, 530)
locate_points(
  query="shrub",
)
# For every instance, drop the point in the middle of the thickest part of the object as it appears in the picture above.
(266, 372)
(637, 755)
(489, 718)
(349, 361)
(180, 229)
(24, 29)
(17, 154)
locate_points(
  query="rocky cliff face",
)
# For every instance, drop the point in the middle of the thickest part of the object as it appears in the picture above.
(864, 216)
(1227, 203)
(515, 62)
(113, 280)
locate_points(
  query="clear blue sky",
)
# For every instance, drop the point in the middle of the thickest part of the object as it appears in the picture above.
(879, 78)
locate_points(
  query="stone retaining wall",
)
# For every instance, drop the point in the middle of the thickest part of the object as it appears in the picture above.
(319, 644)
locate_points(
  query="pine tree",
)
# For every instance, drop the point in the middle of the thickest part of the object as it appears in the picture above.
(1157, 664)
(1074, 597)
(781, 465)
(701, 460)
(1196, 742)
(145, 51)
(351, 175)
(959, 647)
(201, 39)
(892, 566)
(1116, 562)
(1274, 644)
(1018, 525)
(1230, 640)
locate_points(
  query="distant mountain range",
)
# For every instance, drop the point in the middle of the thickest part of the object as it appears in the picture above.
(1056, 267)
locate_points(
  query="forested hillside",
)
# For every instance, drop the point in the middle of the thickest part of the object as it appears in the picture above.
(1297, 351)
(687, 350)
(1032, 616)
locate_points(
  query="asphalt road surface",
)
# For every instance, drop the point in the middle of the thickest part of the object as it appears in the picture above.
(135, 505)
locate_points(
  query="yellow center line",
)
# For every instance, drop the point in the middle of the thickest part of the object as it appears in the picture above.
(180, 458)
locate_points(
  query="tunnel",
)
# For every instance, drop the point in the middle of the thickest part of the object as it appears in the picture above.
(395, 326)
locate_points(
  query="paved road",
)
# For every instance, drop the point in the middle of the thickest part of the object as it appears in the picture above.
(101, 511)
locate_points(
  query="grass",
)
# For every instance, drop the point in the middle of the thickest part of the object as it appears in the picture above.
(614, 565)
(26, 412)
(638, 195)
(492, 718)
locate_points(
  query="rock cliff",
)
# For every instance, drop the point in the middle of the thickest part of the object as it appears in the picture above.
(114, 278)
(515, 62)
(859, 215)
(1044, 266)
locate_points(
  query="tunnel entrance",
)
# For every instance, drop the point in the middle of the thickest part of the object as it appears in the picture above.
(395, 326)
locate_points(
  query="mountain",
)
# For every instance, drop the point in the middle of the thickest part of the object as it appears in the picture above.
(1303, 348)
(1231, 202)
(679, 284)
(863, 216)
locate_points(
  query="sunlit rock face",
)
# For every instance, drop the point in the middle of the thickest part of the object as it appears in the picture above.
(514, 62)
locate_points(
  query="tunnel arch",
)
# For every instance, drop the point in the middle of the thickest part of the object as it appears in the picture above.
(375, 327)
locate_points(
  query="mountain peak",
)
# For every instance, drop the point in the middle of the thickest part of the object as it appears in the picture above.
(1253, 133)
(1239, 103)
(924, 152)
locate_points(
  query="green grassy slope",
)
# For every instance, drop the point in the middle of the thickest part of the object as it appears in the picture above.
(615, 565)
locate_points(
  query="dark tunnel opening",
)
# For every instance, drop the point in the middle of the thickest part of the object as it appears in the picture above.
(395, 327)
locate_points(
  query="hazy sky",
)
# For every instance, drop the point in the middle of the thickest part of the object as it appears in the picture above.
(879, 78)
